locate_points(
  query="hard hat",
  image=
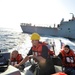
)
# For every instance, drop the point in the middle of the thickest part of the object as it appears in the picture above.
(35, 36)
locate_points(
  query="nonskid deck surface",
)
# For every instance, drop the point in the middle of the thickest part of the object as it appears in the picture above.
(11, 71)
(14, 71)
(57, 69)
(23, 73)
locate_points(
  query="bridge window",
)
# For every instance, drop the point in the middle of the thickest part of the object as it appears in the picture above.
(68, 28)
(61, 28)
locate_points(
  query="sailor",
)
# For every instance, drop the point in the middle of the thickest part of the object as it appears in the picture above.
(39, 53)
(68, 60)
(16, 58)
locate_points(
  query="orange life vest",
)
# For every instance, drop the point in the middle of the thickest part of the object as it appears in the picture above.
(17, 60)
(38, 49)
(68, 58)
(60, 73)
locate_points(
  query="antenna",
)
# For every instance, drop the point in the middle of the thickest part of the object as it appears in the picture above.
(72, 15)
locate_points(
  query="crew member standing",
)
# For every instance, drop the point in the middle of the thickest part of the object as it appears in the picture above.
(39, 53)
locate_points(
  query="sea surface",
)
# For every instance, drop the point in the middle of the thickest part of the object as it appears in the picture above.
(10, 39)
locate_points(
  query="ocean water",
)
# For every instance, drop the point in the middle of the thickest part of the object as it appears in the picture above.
(10, 39)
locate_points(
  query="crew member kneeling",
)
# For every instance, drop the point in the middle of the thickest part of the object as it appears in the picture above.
(16, 58)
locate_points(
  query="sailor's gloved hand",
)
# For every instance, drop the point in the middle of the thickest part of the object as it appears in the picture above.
(16, 65)
(54, 56)
(31, 56)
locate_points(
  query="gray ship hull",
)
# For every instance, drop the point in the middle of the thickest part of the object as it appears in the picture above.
(40, 30)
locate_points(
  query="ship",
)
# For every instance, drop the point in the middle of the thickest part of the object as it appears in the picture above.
(64, 29)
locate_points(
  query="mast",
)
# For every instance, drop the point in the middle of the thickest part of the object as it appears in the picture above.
(72, 15)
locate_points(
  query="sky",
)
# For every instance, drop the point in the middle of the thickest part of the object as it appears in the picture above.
(38, 12)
